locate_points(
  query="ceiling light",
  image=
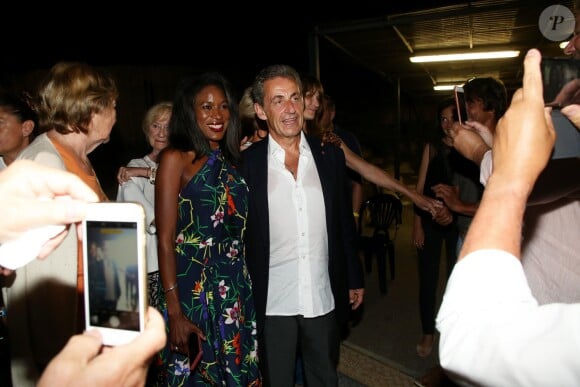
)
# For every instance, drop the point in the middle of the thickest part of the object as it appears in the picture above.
(464, 56)
(444, 87)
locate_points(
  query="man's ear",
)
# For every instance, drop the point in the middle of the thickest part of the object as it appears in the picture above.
(260, 112)
(27, 128)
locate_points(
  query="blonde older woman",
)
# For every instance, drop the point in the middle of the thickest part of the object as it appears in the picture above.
(76, 112)
(137, 184)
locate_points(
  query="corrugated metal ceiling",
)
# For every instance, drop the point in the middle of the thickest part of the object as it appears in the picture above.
(384, 44)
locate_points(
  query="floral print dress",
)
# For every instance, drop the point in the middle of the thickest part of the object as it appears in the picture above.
(214, 284)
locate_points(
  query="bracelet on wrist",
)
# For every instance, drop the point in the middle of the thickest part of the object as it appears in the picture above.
(171, 288)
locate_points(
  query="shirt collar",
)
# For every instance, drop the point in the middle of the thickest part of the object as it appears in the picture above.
(277, 152)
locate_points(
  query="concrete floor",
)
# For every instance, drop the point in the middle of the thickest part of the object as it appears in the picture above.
(389, 326)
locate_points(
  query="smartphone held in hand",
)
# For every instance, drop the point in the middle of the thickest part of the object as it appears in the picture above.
(460, 104)
(195, 350)
(115, 270)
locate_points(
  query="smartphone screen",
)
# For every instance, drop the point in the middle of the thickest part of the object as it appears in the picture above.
(460, 104)
(115, 272)
(556, 74)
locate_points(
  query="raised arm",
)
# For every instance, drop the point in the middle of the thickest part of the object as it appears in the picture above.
(379, 177)
(499, 322)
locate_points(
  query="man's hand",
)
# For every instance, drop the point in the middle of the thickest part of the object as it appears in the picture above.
(570, 94)
(443, 216)
(525, 135)
(573, 114)
(34, 195)
(425, 203)
(84, 361)
(356, 297)
(469, 141)
(449, 194)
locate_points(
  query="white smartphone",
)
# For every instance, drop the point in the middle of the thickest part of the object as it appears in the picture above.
(115, 270)
(460, 104)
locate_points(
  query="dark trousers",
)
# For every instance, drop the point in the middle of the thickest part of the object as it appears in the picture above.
(317, 339)
(429, 263)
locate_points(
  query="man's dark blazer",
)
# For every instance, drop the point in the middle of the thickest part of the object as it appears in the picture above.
(345, 271)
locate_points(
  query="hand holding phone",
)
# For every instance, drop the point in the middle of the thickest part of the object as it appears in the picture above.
(561, 85)
(195, 350)
(461, 105)
(115, 270)
(560, 81)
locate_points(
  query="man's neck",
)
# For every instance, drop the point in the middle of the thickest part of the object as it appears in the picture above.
(289, 144)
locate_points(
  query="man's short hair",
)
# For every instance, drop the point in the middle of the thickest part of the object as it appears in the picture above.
(491, 91)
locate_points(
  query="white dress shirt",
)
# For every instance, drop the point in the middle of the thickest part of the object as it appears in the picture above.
(299, 283)
(494, 333)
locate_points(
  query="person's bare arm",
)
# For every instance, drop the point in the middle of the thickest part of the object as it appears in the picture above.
(379, 177)
(126, 173)
(167, 188)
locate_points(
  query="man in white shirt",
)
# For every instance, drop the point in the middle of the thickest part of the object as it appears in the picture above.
(300, 239)
(493, 332)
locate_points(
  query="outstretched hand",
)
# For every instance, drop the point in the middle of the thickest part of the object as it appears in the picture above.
(35, 195)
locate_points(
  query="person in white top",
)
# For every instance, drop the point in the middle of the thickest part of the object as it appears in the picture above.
(300, 238)
(494, 332)
(137, 184)
(300, 241)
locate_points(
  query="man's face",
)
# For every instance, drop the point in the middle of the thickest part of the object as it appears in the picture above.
(476, 112)
(573, 46)
(283, 108)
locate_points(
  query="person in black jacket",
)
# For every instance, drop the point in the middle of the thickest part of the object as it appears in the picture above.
(300, 238)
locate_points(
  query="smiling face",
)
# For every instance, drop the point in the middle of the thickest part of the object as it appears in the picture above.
(311, 103)
(283, 108)
(447, 119)
(158, 133)
(476, 112)
(212, 114)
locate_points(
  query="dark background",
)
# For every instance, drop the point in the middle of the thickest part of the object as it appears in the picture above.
(150, 47)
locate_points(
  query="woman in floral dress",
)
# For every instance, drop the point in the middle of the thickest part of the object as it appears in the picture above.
(200, 209)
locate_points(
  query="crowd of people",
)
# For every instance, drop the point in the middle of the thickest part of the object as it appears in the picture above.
(250, 211)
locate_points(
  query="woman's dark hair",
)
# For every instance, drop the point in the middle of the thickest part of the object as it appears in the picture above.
(20, 105)
(184, 132)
